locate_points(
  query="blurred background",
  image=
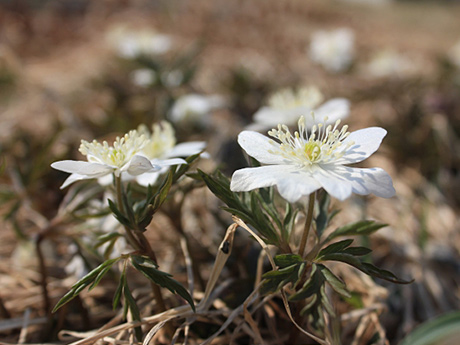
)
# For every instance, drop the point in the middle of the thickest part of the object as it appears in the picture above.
(76, 69)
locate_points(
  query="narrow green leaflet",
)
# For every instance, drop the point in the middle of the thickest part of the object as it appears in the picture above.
(248, 209)
(132, 306)
(363, 266)
(311, 287)
(337, 284)
(92, 278)
(362, 227)
(148, 268)
(336, 247)
(277, 279)
(285, 260)
(117, 213)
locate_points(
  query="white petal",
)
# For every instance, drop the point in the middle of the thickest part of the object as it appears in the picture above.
(186, 149)
(292, 183)
(332, 181)
(366, 142)
(334, 109)
(149, 178)
(92, 170)
(369, 181)
(258, 146)
(139, 165)
(168, 162)
(73, 178)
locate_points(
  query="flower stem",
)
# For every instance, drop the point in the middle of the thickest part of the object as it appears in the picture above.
(141, 244)
(129, 234)
(306, 230)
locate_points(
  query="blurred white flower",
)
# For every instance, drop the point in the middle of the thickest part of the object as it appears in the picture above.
(104, 160)
(162, 150)
(195, 108)
(130, 44)
(390, 64)
(454, 54)
(143, 77)
(302, 163)
(334, 50)
(287, 105)
(172, 78)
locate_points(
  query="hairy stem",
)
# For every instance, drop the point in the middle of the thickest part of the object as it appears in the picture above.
(306, 230)
(141, 244)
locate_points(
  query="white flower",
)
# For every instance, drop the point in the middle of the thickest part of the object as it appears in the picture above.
(388, 63)
(130, 44)
(287, 105)
(334, 50)
(103, 160)
(302, 163)
(194, 108)
(143, 77)
(454, 54)
(161, 149)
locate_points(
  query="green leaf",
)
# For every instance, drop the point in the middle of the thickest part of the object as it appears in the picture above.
(92, 277)
(444, 329)
(365, 267)
(163, 191)
(357, 251)
(132, 306)
(322, 219)
(148, 268)
(117, 213)
(337, 284)
(106, 238)
(362, 227)
(276, 279)
(119, 291)
(311, 287)
(336, 247)
(284, 260)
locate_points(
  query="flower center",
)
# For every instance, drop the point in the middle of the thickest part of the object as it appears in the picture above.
(309, 97)
(324, 144)
(119, 154)
(161, 140)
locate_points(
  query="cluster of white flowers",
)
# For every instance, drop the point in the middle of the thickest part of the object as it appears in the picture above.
(301, 163)
(334, 50)
(129, 43)
(137, 155)
(287, 105)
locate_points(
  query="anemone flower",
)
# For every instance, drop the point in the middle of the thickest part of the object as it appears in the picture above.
(123, 157)
(302, 163)
(287, 105)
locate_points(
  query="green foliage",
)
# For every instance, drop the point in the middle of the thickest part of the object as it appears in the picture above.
(444, 329)
(291, 269)
(362, 227)
(149, 269)
(92, 279)
(256, 207)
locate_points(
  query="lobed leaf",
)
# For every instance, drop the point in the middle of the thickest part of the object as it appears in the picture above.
(148, 268)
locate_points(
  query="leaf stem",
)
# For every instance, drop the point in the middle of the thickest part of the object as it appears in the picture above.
(306, 230)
